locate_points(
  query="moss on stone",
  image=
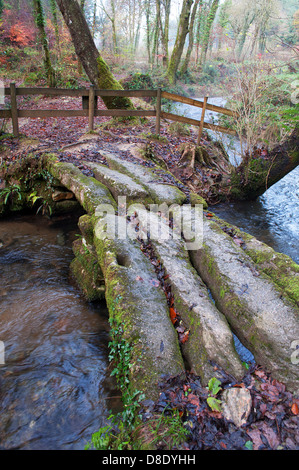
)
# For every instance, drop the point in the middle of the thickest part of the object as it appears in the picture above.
(86, 227)
(197, 199)
(86, 282)
(88, 191)
(87, 272)
(141, 309)
(279, 267)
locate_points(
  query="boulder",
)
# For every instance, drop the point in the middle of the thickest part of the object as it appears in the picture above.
(236, 405)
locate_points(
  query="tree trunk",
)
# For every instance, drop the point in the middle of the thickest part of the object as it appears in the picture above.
(94, 20)
(80, 68)
(164, 31)
(198, 26)
(95, 67)
(40, 23)
(55, 22)
(207, 33)
(155, 41)
(185, 65)
(183, 30)
(257, 174)
(209, 173)
(148, 32)
(114, 33)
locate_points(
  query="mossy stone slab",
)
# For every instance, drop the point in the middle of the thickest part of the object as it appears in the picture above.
(137, 303)
(210, 340)
(118, 183)
(159, 191)
(265, 321)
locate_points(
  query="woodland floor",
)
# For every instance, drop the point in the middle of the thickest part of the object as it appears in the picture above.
(69, 140)
(274, 418)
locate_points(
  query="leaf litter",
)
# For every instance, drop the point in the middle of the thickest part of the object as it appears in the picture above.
(271, 425)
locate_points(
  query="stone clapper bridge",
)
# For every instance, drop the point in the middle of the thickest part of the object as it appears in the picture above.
(217, 289)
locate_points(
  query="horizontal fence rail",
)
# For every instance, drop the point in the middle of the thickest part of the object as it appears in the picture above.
(90, 111)
(199, 104)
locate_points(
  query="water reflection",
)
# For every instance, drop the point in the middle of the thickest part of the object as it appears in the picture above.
(55, 386)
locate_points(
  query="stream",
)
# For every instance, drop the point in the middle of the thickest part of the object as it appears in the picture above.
(274, 217)
(55, 384)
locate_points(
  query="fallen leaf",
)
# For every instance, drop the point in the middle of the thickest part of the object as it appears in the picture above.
(238, 241)
(255, 436)
(271, 436)
(184, 337)
(295, 409)
(193, 399)
(173, 315)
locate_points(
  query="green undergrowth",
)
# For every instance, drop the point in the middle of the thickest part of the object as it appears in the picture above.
(117, 434)
(125, 430)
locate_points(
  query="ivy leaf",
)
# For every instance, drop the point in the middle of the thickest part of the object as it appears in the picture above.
(249, 445)
(214, 386)
(214, 404)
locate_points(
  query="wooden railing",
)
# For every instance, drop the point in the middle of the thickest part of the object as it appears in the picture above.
(89, 107)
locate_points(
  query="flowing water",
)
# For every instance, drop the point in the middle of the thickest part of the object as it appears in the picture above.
(55, 384)
(274, 217)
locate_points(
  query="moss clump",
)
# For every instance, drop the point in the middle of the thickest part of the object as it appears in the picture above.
(280, 268)
(87, 272)
(86, 227)
(197, 199)
(106, 81)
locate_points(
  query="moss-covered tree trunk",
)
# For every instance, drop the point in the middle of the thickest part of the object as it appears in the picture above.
(207, 32)
(257, 174)
(221, 181)
(185, 65)
(40, 23)
(183, 29)
(94, 65)
(54, 10)
(164, 30)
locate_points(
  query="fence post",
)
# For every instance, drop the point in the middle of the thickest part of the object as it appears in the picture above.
(14, 109)
(158, 111)
(202, 120)
(91, 107)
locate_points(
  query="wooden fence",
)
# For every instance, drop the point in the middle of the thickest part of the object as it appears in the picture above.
(89, 107)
